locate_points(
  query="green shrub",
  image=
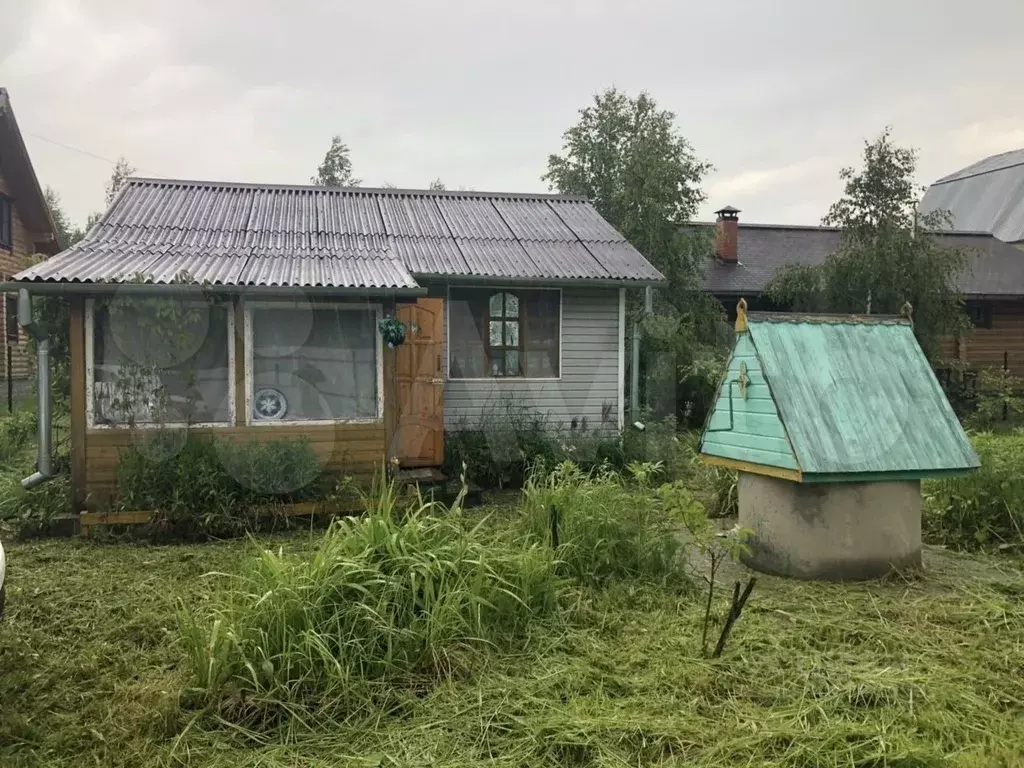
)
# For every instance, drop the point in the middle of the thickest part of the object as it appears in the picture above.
(998, 402)
(385, 600)
(660, 442)
(29, 512)
(606, 530)
(196, 486)
(17, 432)
(500, 447)
(280, 468)
(985, 508)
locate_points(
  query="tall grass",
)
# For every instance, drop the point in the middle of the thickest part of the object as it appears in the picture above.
(605, 529)
(17, 432)
(985, 508)
(385, 602)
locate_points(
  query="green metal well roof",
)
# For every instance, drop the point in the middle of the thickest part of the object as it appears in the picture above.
(855, 395)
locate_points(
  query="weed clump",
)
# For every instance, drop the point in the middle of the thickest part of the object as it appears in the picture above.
(606, 530)
(394, 599)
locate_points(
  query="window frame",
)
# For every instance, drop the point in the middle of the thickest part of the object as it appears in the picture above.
(491, 290)
(249, 306)
(7, 213)
(90, 377)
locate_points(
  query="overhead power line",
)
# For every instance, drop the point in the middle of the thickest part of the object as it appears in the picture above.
(89, 154)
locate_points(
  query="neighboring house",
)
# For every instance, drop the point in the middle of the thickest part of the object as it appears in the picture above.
(987, 196)
(504, 296)
(25, 229)
(747, 255)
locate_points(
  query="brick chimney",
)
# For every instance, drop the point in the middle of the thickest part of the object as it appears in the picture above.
(727, 235)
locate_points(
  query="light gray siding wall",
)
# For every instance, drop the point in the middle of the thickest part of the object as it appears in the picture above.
(588, 390)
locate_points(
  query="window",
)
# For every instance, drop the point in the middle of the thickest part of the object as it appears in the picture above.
(6, 223)
(980, 314)
(314, 362)
(503, 333)
(163, 361)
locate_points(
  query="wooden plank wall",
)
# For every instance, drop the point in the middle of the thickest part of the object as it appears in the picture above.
(355, 449)
(986, 347)
(12, 262)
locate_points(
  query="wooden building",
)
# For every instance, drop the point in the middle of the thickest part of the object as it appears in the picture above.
(285, 307)
(26, 229)
(747, 255)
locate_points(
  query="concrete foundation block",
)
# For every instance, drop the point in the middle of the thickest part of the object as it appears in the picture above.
(833, 532)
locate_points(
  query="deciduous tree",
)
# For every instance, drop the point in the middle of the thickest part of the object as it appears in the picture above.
(888, 254)
(629, 158)
(336, 168)
(121, 173)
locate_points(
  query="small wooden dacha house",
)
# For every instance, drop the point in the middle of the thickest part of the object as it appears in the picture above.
(832, 422)
(300, 297)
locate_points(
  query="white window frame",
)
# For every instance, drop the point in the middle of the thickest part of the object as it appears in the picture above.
(90, 377)
(497, 288)
(249, 306)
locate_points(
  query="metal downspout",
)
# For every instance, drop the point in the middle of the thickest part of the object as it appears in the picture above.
(45, 416)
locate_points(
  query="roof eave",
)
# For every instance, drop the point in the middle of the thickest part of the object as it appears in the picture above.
(892, 476)
(44, 216)
(66, 288)
(558, 282)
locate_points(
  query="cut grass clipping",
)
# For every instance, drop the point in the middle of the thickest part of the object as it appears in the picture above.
(896, 673)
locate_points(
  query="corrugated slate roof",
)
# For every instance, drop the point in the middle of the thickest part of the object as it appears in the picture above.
(987, 196)
(994, 268)
(275, 235)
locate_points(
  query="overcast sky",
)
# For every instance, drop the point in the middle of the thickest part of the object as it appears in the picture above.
(777, 95)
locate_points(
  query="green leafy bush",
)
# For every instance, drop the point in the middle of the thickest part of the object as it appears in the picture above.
(660, 442)
(196, 486)
(985, 508)
(17, 432)
(607, 530)
(384, 601)
(30, 512)
(999, 402)
(500, 447)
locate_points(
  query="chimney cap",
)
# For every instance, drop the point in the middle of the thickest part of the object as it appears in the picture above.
(728, 212)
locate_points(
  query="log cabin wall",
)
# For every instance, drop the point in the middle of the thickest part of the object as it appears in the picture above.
(991, 347)
(355, 449)
(13, 259)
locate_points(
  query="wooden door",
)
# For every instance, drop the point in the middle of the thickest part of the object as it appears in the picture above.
(419, 378)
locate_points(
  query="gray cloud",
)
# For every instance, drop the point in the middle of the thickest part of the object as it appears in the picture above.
(777, 95)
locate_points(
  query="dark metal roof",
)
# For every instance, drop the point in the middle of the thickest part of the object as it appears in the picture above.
(252, 234)
(987, 196)
(994, 268)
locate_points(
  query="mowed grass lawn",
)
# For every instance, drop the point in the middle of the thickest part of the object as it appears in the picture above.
(924, 671)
